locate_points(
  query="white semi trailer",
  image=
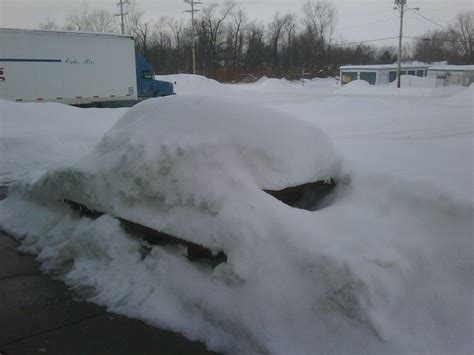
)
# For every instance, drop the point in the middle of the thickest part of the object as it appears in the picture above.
(75, 68)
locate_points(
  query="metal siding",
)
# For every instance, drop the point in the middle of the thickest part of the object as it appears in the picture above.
(65, 72)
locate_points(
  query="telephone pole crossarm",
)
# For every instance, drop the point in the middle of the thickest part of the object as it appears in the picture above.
(122, 14)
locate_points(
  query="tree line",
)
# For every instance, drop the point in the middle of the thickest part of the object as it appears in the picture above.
(454, 43)
(232, 47)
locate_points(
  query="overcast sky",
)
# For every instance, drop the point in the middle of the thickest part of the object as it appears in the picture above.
(358, 20)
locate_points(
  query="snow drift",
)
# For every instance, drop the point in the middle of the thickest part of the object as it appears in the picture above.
(186, 84)
(191, 155)
(34, 138)
(385, 267)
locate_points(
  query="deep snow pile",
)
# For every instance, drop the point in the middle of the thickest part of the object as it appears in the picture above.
(34, 138)
(416, 82)
(191, 155)
(192, 84)
(386, 267)
(411, 86)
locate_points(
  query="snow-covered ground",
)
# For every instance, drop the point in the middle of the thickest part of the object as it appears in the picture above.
(386, 267)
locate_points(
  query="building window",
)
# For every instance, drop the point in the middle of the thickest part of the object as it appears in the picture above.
(420, 73)
(147, 74)
(347, 77)
(371, 77)
(392, 76)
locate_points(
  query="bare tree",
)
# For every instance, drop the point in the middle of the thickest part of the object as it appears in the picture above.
(140, 30)
(49, 24)
(96, 20)
(254, 37)
(454, 44)
(239, 19)
(463, 31)
(320, 19)
(177, 29)
(435, 46)
(276, 28)
(211, 26)
(290, 27)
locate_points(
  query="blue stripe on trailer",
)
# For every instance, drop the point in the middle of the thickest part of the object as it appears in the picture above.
(29, 60)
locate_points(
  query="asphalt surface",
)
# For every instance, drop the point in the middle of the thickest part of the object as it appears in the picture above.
(40, 315)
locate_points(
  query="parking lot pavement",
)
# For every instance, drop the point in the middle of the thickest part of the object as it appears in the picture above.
(40, 315)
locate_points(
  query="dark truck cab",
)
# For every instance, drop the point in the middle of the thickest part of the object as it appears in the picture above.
(147, 86)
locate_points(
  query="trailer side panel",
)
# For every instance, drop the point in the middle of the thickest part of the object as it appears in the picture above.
(67, 67)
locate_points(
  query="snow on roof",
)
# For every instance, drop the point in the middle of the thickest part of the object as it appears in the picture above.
(415, 65)
(64, 32)
(452, 67)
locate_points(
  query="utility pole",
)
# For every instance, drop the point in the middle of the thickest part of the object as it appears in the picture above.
(122, 14)
(192, 10)
(401, 6)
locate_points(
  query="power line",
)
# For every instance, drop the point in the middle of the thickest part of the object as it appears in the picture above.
(429, 20)
(389, 38)
(365, 41)
(435, 40)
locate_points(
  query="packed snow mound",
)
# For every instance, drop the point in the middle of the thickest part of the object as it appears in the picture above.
(35, 137)
(194, 152)
(384, 268)
(272, 84)
(191, 84)
(416, 82)
(356, 84)
(412, 86)
(463, 97)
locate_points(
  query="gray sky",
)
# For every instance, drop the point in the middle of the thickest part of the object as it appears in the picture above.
(357, 19)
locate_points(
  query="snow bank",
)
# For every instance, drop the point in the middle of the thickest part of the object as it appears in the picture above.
(192, 154)
(463, 97)
(271, 84)
(192, 84)
(416, 82)
(356, 85)
(40, 136)
(412, 86)
(385, 268)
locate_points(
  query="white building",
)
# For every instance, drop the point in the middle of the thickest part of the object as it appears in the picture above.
(379, 74)
(452, 74)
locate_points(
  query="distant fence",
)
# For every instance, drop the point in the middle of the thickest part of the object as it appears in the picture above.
(453, 79)
(411, 79)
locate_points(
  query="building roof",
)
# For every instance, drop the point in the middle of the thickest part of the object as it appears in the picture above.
(64, 32)
(385, 66)
(414, 65)
(452, 67)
